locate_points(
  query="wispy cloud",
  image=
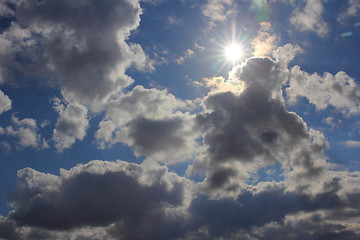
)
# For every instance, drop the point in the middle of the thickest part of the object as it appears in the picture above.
(351, 144)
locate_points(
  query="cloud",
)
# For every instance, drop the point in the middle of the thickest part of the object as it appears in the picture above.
(339, 91)
(352, 10)
(71, 125)
(26, 132)
(271, 211)
(307, 226)
(220, 84)
(169, 140)
(172, 20)
(265, 42)
(351, 144)
(188, 54)
(116, 200)
(69, 50)
(7, 229)
(217, 10)
(150, 121)
(101, 193)
(310, 17)
(5, 102)
(285, 54)
(5, 145)
(245, 132)
(5, 9)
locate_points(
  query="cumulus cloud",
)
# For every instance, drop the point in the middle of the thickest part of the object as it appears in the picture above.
(244, 132)
(310, 17)
(116, 200)
(150, 121)
(5, 102)
(339, 91)
(218, 10)
(101, 193)
(26, 132)
(71, 125)
(70, 51)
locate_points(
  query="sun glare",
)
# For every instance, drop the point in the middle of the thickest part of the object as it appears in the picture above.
(233, 52)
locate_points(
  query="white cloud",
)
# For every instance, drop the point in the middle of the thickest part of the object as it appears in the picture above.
(87, 64)
(4, 145)
(339, 91)
(352, 10)
(26, 132)
(172, 20)
(285, 54)
(351, 144)
(218, 10)
(5, 102)
(188, 54)
(265, 42)
(151, 122)
(310, 17)
(71, 125)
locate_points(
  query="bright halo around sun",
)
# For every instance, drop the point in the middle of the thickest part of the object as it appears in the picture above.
(233, 52)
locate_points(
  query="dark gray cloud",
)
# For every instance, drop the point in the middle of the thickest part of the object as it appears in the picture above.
(269, 211)
(96, 194)
(312, 226)
(151, 136)
(252, 129)
(120, 200)
(8, 229)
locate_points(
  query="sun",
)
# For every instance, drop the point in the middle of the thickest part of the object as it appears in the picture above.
(233, 52)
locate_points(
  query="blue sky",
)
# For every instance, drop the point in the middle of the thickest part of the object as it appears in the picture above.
(128, 119)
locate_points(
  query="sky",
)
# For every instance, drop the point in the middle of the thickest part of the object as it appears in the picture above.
(180, 119)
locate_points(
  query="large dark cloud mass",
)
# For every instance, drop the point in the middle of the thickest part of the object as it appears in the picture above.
(121, 200)
(253, 129)
(111, 190)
